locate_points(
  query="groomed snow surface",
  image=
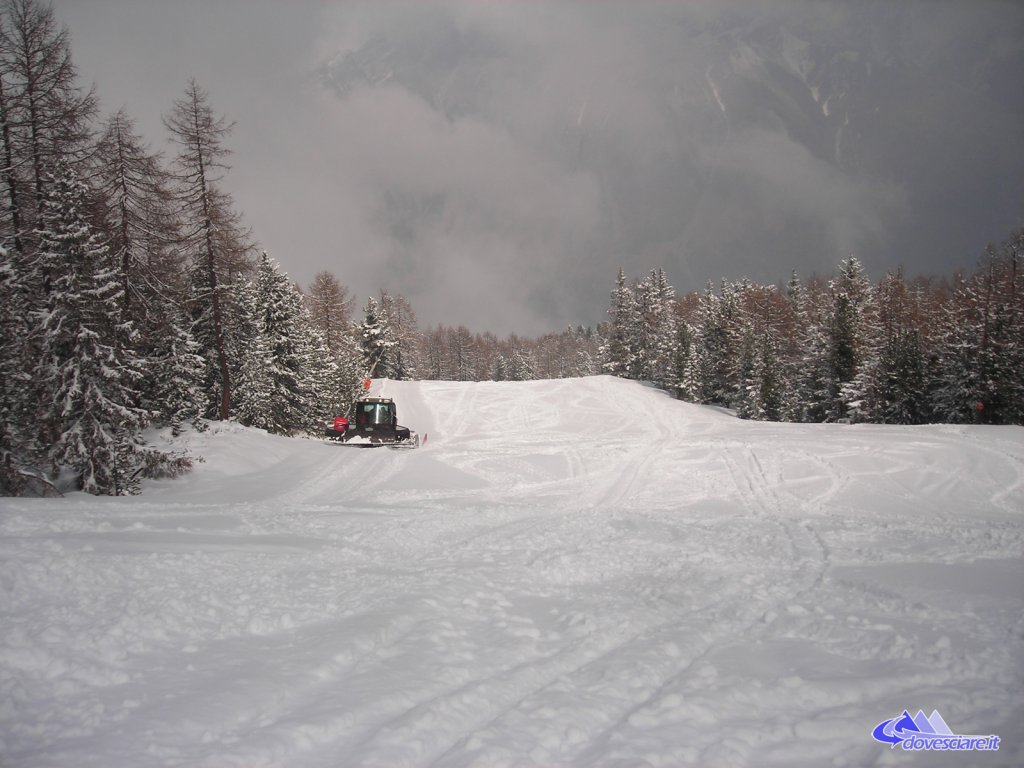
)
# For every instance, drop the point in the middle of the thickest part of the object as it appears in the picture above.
(569, 573)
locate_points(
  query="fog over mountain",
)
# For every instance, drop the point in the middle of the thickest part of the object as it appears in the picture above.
(496, 162)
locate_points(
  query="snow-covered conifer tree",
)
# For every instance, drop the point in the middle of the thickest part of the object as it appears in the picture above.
(376, 340)
(811, 367)
(252, 392)
(89, 417)
(401, 327)
(176, 370)
(15, 402)
(894, 377)
(518, 367)
(666, 335)
(680, 380)
(850, 339)
(767, 398)
(759, 321)
(745, 342)
(711, 355)
(281, 322)
(275, 385)
(618, 352)
(349, 373)
(318, 369)
(655, 337)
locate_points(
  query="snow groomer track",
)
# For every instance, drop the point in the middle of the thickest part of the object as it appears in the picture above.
(579, 572)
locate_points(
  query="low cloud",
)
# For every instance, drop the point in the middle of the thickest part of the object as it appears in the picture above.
(496, 162)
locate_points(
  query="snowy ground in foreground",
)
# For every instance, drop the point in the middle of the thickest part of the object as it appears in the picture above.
(544, 583)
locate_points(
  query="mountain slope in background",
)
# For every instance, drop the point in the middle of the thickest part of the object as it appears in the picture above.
(576, 572)
(729, 140)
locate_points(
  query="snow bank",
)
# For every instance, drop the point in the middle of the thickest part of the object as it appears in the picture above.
(579, 572)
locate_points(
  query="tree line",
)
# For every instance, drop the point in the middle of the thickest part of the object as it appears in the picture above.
(132, 295)
(834, 349)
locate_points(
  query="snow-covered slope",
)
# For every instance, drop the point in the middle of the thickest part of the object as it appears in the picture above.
(578, 572)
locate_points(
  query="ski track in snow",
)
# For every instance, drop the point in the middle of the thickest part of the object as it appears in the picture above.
(568, 573)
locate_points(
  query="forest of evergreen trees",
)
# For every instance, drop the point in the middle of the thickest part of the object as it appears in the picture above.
(132, 295)
(834, 349)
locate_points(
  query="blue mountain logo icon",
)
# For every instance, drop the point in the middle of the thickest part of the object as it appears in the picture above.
(896, 730)
(928, 732)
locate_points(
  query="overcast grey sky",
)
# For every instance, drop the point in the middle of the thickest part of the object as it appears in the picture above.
(496, 162)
